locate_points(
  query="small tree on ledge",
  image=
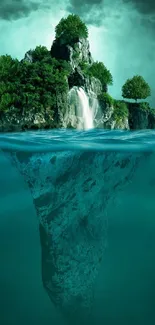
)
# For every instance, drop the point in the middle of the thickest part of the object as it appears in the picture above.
(99, 71)
(136, 88)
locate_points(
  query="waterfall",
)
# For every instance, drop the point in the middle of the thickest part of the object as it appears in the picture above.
(82, 109)
(86, 109)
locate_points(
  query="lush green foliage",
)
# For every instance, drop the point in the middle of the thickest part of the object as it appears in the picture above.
(8, 68)
(136, 88)
(145, 106)
(152, 112)
(84, 66)
(98, 70)
(32, 86)
(121, 111)
(120, 108)
(41, 53)
(71, 28)
(9, 82)
(105, 99)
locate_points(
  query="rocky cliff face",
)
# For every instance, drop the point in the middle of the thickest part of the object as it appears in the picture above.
(76, 54)
(14, 121)
(141, 116)
(105, 118)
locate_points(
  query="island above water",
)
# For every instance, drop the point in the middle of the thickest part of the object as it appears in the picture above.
(66, 88)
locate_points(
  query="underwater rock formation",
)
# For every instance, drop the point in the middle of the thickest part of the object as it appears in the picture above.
(72, 205)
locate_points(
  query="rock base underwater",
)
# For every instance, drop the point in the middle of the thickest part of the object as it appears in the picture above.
(73, 194)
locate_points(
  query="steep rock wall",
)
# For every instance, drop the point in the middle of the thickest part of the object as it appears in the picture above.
(73, 205)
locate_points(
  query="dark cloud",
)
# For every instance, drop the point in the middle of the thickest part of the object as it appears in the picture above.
(146, 9)
(143, 6)
(80, 3)
(15, 9)
(91, 11)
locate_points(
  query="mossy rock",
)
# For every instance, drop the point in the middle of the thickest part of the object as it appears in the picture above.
(105, 100)
(121, 111)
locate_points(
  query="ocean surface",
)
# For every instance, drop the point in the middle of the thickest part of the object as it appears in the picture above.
(105, 179)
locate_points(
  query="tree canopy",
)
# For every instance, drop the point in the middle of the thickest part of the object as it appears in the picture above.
(26, 86)
(105, 100)
(71, 28)
(99, 71)
(136, 88)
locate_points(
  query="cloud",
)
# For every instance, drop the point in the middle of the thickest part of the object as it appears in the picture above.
(95, 11)
(146, 9)
(143, 6)
(89, 10)
(24, 33)
(92, 11)
(15, 9)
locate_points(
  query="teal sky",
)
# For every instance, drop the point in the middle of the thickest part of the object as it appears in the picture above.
(121, 33)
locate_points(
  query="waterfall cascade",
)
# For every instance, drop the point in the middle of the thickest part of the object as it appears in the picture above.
(84, 108)
(87, 112)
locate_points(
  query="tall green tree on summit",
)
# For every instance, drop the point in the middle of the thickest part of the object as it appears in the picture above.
(136, 88)
(71, 28)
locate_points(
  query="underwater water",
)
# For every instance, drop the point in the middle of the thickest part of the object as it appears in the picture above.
(77, 227)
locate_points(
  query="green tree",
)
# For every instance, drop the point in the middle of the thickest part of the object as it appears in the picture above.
(98, 70)
(71, 28)
(8, 101)
(105, 100)
(136, 88)
(40, 53)
(32, 87)
(8, 68)
(9, 83)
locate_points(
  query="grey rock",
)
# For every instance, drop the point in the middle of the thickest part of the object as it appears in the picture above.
(73, 205)
(28, 57)
(75, 53)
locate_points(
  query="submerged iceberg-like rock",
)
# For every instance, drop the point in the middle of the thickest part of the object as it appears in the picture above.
(73, 193)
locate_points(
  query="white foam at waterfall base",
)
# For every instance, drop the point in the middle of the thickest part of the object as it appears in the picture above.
(86, 109)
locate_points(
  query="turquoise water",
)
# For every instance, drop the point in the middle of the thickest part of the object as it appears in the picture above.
(89, 197)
